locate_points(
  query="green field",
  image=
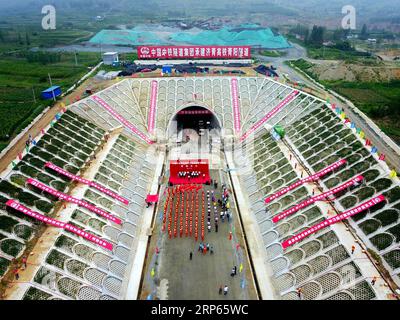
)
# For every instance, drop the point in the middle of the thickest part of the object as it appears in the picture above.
(20, 80)
(273, 53)
(380, 101)
(328, 53)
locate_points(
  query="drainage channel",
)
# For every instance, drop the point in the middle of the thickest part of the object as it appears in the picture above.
(244, 236)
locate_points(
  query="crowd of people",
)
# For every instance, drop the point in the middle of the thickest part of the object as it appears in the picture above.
(189, 174)
(224, 205)
(220, 212)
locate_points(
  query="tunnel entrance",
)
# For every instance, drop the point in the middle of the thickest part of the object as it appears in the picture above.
(196, 118)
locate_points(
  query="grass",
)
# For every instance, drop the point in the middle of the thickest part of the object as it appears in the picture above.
(329, 53)
(273, 53)
(19, 78)
(372, 98)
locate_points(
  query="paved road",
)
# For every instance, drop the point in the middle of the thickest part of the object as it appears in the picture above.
(201, 277)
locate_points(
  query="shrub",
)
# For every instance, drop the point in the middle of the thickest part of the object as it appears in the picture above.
(27, 198)
(7, 224)
(44, 206)
(369, 226)
(11, 247)
(4, 264)
(18, 179)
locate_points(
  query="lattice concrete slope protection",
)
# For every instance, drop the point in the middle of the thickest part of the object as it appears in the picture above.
(320, 264)
(131, 98)
(75, 268)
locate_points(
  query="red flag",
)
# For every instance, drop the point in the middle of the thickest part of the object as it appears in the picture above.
(368, 142)
(382, 157)
(347, 120)
(43, 132)
(20, 156)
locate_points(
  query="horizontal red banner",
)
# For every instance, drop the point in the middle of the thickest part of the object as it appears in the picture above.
(194, 52)
(345, 215)
(313, 177)
(87, 182)
(59, 224)
(319, 197)
(71, 199)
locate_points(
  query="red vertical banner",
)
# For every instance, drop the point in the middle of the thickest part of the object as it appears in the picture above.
(270, 114)
(153, 106)
(235, 104)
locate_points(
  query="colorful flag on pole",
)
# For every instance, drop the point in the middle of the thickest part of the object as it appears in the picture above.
(358, 130)
(353, 125)
(368, 142)
(382, 157)
(362, 134)
(42, 131)
(347, 120)
(13, 163)
(20, 156)
(374, 150)
(34, 142)
(342, 115)
(393, 174)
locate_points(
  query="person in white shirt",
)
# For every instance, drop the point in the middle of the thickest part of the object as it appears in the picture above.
(226, 289)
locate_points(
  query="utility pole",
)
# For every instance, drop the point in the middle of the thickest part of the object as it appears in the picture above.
(76, 59)
(51, 85)
(34, 97)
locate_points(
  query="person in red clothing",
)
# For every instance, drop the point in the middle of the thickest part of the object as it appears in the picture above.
(299, 292)
(16, 273)
(353, 248)
(24, 260)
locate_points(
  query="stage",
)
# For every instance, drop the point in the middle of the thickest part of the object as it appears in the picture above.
(189, 172)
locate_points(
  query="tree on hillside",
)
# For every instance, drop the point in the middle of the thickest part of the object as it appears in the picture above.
(1, 36)
(317, 36)
(20, 39)
(27, 39)
(364, 32)
(338, 34)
